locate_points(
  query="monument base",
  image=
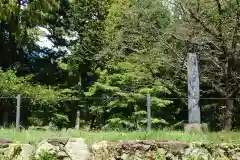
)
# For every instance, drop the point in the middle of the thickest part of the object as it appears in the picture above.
(195, 127)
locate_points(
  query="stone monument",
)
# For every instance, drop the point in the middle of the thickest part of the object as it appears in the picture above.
(194, 119)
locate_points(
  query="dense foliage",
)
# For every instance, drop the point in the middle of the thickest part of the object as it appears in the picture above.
(103, 57)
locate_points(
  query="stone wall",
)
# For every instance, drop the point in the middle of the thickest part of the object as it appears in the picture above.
(76, 149)
(161, 150)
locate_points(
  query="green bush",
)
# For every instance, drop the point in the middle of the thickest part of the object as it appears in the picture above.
(60, 121)
(44, 155)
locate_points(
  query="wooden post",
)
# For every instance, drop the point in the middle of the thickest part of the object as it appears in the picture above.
(18, 112)
(77, 125)
(149, 117)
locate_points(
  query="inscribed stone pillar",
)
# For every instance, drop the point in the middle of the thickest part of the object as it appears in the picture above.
(193, 89)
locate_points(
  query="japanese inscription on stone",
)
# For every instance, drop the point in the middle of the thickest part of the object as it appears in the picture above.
(193, 89)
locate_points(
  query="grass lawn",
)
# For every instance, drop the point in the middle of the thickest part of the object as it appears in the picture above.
(35, 136)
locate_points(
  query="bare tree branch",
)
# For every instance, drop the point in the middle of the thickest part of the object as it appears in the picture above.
(179, 6)
(210, 44)
(165, 43)
(210, 59)
(206, 29)
(213, 46)
(218, 90)
(218, 36)
(234, 92)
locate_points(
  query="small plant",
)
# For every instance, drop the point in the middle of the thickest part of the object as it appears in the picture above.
(160, 154)
(10, 155)
(44, 155)
(60, 121)
(193, 158)
(204, 127)
(35, 121)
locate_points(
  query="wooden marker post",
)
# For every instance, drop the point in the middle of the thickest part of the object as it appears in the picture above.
(149, 116)
(18, 112)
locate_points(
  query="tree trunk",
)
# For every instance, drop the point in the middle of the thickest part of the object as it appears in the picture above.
(77, 124)
(5, 118)
(228, 115)
(92, 122)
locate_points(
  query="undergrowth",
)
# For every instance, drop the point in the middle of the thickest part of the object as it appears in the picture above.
(33, 136)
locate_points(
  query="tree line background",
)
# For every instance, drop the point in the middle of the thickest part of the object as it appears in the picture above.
(106, 55)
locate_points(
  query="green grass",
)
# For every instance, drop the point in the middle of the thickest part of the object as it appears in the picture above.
(35, 136)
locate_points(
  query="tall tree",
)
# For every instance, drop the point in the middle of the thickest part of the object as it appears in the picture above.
(134, 65)
(86, 20)
(19, 23)
(18, 19)
(211, 28)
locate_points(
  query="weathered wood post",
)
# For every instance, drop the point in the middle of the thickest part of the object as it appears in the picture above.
(149, 116)
(18, 112)
(194, 119)
(77, 122)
